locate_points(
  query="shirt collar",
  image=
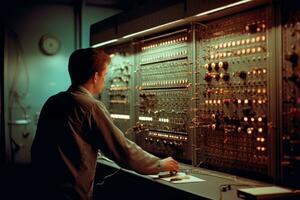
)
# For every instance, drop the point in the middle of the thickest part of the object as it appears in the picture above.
(80, 89)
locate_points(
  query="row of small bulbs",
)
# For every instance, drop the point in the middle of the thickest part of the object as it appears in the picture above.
(229, 91)
(234, 43)
(239, 52)
(236, 101)
(165, 43)
(164, 56)
(169, 82)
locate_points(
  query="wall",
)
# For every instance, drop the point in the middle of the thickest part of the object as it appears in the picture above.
(91, 15)
(31, 76)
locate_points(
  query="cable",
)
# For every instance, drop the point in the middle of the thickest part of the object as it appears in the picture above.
(109, 175)
(14, 95)
(128, 131)
(20, 61)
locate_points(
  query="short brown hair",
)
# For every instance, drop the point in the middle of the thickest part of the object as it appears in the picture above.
(83, 63)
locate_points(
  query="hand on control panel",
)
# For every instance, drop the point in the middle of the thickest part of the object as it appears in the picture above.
(169, 164)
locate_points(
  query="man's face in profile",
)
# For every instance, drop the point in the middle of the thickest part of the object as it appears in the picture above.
(100, 80)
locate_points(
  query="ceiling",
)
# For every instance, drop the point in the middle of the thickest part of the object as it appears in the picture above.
(14, 6)
(116, 4)
(120, 4)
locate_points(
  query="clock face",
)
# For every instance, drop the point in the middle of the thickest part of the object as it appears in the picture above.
(49, 45)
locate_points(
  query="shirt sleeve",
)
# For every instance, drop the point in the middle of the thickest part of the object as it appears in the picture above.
(112, 142)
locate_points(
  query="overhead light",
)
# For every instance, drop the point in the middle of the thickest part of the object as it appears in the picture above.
(223, 8)
(151, 29)
(104, 43)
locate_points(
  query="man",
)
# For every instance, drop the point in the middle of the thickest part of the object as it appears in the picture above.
(73, 126)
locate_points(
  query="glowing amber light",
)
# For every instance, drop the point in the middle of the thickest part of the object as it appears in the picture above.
(259, 49)
(259, 119)
(249, 130)
(258, 148)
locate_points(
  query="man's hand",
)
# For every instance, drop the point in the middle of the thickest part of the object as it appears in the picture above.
(169, 164)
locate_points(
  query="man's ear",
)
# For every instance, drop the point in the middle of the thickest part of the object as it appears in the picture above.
(95, 77)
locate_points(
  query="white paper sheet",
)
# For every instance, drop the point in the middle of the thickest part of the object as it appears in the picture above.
(180, 177)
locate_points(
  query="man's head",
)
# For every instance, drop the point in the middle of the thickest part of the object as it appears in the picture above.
(87, 67)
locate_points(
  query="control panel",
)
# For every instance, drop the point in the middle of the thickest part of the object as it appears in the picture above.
(290, 135)
(163, 95)
(118, 92)
(232, 93)
(221, 93)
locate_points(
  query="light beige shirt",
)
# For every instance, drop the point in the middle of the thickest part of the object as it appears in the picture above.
(73, 126)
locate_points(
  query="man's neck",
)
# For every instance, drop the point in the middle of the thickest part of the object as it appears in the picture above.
(88, 87)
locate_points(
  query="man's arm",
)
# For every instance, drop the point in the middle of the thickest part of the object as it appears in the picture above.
(112, 142)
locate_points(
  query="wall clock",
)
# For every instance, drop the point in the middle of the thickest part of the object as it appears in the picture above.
(49, 44)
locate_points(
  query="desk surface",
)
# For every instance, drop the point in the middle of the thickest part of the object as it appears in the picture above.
(209, 189)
